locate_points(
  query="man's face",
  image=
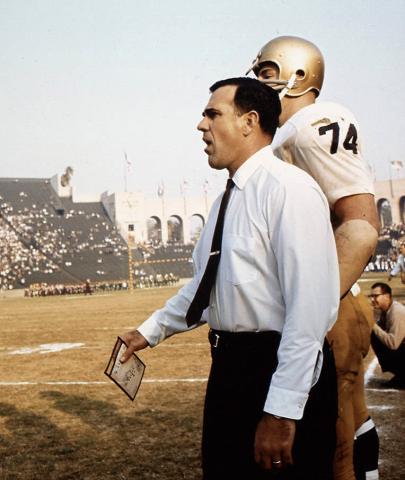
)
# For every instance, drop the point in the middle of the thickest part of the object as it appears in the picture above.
(380, 300)
(402, 249)
(222, 130)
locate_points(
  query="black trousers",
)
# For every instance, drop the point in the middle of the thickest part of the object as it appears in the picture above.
(241, 371)
(389, 360)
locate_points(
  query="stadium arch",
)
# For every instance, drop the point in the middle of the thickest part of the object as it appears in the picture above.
(154, 229)
(197, 223)
(384, 212)
(175, 230)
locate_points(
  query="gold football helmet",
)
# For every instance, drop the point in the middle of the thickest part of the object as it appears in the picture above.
(300, 64)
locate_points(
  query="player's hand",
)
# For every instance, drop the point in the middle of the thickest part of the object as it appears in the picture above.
(274, 441)
(135, 341)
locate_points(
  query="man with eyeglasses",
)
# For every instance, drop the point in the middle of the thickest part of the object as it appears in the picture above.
(388, 335)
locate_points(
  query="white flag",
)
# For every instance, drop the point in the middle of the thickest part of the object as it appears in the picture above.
(397, 164)
(128, 162)
(161, 189)
(184, 186)
(206, 186)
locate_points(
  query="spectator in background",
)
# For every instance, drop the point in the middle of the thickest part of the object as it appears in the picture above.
(87, 288)
(388, 335)
(400, 264)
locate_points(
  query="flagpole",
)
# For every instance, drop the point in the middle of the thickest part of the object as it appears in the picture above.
(125, 171)
(161, 195)
(183, 191)
(205, 189)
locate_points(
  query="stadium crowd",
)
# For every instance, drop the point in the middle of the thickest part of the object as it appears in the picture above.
(140, 280)
(143, 280)
(18, 260)
(387, 249)
(45, 290)
(38, 240)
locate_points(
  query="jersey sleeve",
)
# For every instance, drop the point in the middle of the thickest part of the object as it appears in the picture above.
(330, 150)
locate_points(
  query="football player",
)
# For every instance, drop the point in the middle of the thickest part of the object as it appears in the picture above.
(323, 138)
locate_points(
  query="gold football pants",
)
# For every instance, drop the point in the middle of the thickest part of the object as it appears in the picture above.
(350, 342)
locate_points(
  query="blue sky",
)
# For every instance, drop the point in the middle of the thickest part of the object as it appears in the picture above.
(82, 82)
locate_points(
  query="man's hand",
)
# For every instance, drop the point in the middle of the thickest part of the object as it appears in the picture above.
(274, 441)
(135, 342)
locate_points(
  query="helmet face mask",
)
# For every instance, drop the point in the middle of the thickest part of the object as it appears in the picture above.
(299, 63)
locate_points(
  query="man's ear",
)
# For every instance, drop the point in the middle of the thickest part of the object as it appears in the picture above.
(251, 121)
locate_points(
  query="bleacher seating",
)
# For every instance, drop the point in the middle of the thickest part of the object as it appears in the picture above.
(166, 259)
(49, 239)
(45, 238)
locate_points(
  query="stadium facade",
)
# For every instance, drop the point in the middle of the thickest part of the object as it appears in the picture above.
(142, 219)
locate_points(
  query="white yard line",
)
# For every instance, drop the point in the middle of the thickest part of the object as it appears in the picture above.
(72, 297)
(396, 390)
(45, 348)
(146, 380)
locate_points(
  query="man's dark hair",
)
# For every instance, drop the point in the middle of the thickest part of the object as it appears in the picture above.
(384, 287)
(251, 94)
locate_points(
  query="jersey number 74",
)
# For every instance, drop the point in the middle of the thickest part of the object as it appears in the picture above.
(350, 142)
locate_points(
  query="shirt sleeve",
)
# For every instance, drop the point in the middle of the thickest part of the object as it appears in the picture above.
(303, 243)
(170, 319)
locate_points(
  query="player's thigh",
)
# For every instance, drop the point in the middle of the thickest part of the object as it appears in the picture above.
(350, 336)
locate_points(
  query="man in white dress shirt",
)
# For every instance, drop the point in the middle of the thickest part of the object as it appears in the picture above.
(271, 395)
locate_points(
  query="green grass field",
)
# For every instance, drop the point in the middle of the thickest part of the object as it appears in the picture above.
(51, 430)
(62, 418)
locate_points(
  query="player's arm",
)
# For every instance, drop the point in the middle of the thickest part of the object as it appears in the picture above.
(356, 236)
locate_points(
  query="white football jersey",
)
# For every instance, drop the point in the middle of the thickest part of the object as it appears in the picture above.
(324, 140)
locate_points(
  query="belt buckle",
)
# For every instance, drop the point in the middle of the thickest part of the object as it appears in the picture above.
(216, 341)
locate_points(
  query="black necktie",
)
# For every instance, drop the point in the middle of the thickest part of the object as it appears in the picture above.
(202, 297)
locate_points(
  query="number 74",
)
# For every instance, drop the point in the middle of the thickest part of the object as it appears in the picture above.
(350, 142)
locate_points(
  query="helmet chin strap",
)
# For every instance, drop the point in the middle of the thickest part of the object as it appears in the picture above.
(289, 86)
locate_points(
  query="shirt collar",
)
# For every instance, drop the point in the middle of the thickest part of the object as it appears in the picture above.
(248, 168)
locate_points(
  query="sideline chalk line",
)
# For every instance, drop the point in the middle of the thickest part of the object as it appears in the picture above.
(78, 382)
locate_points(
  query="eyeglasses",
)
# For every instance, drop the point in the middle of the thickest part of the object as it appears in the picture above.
(375, 295)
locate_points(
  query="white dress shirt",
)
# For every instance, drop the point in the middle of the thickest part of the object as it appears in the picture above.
(278, 271)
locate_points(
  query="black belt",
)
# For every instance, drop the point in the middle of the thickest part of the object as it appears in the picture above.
(223, 339)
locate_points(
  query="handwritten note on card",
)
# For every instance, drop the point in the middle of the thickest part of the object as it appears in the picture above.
(128, 375)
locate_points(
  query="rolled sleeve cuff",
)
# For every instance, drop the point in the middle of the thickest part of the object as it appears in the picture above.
(285, 403)
(152, 331)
